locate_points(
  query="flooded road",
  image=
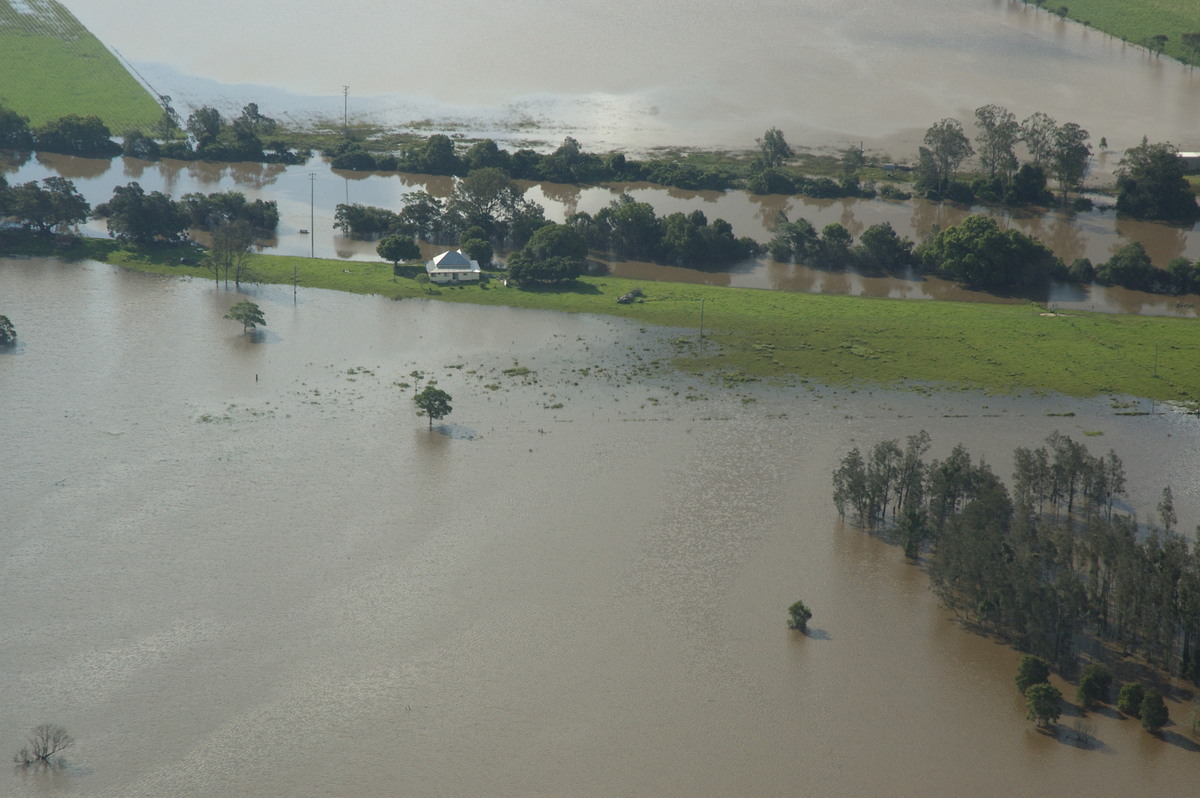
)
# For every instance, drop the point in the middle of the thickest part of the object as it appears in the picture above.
(308, 195)
(245, 567)
(827, 74)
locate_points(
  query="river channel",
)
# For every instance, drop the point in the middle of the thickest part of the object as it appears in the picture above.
(243, 566)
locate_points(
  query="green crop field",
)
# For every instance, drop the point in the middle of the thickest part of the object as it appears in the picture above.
(1137, 20)
(51, 66)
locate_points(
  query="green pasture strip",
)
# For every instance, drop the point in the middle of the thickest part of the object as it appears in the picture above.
(1137, 20)
(837, 340)
(51, 66)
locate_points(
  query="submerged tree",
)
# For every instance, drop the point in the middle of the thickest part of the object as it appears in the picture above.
(44, 745)
(8, 333)
(1154, 712)
(249, 314)
(798, 616)
(433, 402)
(1043, 704)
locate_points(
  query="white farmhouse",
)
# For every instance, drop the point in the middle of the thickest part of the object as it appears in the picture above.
(452, 266)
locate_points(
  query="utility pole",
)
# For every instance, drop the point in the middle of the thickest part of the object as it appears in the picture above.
(346, 107)
(312, 217)
(702, 320)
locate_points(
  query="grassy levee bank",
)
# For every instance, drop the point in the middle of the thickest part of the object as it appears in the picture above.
(53, 66)
(836, 340)
(1137, 20)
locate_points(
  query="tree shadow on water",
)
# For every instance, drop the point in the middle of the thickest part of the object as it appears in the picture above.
(1078, 734)
(818, 634)
(1180, 741)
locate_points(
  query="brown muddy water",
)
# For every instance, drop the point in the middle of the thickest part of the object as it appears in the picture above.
(308, 196)
(243, 566)
(632, 75)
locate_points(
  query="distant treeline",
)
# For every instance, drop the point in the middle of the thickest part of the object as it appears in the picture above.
(976, 252)
(209, 137)
(1049, 564)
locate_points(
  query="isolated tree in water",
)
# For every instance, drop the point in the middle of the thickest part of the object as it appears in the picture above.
(43, 745)
(1043, 703)
(8, 333)
(249, 314)
(1154, 711)
(433, 402)
(799, 615)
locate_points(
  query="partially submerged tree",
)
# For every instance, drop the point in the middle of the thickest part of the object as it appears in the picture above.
(432, 402)
(1031, 670)
(1151, 184)
(1154, 711)
(798, 616)
(1094, 685)
(1129, 700)
(249, 314)
(44, 745)
(946, 147)
(8, 333)
(773, 149)
(1043, 704)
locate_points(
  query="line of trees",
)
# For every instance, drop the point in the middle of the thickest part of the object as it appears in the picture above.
(490, 206)
(135, 216)
(568, 163)
(1050, 563)
(205, 135)
(1053, 150)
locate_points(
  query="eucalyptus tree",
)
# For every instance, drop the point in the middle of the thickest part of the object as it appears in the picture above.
(946, 148)
(996, 142)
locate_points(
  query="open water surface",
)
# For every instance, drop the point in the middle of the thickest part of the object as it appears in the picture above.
(630, 75)
(243, 566)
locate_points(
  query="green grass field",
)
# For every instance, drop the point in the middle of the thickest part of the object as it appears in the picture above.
(1137, 20)
(836, 340)
(51, 66)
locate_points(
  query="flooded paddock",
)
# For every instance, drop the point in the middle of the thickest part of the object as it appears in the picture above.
(827, 74)
(308, 195)
(240, 566)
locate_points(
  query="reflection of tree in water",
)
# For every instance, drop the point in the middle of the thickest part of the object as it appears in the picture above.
(929, 217)
(435, 185)
(168, 172)
(206, 173)
(1064, 237)
(13, 161)
(848, 219)
(133, 168)
(1163, 242)
(256, 175)
(564, 194)
(768, 207)
(72, 166)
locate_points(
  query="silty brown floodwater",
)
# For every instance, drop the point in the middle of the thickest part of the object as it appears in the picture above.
(244, 566)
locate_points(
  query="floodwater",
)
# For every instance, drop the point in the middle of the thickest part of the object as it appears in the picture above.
(631, 75)
(307, 196)
(244, 567)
